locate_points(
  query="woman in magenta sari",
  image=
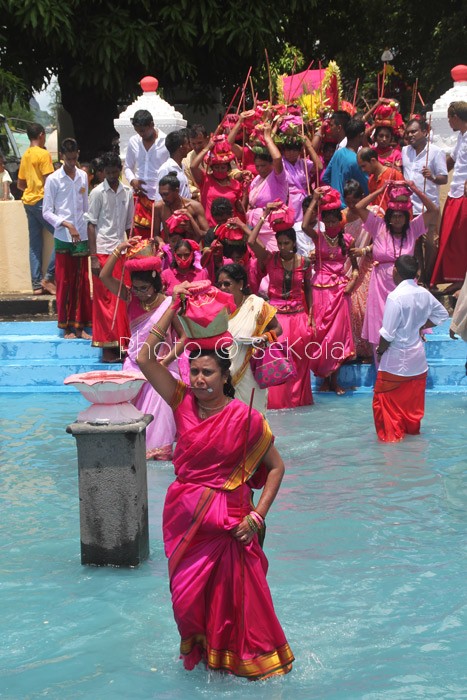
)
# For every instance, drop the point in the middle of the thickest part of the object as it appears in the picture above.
(333, 338)
(145, 305)
(221, 601)
(269, 185)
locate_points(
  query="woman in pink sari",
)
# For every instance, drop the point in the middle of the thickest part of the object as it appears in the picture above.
(145, 305)
(333, 338)
(212, 529)
(289, 292)
(353, 193)
(394, 235)
(269, 185)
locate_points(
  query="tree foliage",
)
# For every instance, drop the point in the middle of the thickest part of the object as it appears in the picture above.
(101, 49)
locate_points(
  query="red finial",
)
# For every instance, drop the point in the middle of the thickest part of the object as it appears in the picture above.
(149, 84)
(459, 74)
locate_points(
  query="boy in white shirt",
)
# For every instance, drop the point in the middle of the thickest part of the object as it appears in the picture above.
(64, 206)
(109, 219)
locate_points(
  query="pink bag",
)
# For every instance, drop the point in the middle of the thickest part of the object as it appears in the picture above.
(271, 366)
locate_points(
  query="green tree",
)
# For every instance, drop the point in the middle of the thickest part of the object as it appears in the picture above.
(100, 50)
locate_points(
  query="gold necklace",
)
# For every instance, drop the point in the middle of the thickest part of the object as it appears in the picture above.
(204, 410)
(331, 241)
(151, 304)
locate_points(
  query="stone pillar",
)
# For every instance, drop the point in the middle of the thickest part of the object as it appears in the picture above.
(113, 492)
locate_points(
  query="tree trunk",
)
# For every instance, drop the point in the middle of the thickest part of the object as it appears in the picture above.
(92, 116)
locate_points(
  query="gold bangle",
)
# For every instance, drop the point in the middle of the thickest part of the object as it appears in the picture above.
(157, 335)
(116, 254)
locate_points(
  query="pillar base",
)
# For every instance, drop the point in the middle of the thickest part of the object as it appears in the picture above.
(113, 492)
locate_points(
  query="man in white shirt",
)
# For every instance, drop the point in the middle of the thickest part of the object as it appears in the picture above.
(109, 219)
(178, 146)
(145, 154)
(399, 394)
(199, 139)
(64, 205)
(451, 263)
(425, 164)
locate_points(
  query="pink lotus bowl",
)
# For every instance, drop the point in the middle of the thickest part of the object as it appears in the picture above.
(107, 386)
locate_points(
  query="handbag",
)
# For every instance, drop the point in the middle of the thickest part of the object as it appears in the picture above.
(271, 366)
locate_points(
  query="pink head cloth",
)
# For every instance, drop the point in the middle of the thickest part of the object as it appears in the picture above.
(281, 218)
(399, 198)
(204, 315)
(331, 199)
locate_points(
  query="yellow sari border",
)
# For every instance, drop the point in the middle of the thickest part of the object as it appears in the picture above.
(276, 662)
(179, 395)
(253, 458)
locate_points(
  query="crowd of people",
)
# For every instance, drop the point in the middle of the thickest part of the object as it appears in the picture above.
(321, 242)
(315, 217)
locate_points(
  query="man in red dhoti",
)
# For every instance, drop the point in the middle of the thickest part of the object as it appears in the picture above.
(451, 263)
(145, 154)
(399, 394)
(109, 217)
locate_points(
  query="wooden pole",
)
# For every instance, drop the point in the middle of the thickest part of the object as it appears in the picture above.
(414, 97)
(383, 79)
(242, 511)
(120, 286)
(354, 102)
(291, 79)
(427, 155)
(305, 163)
(230, 105)
(269, 76)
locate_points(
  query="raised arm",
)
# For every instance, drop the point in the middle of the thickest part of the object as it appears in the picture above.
(195, 165)
(432, 211)
(313, 155)
(106, 277)
(361, 206)
(256, 246)
(232, 135)
(310, 216)
(155, 372)
(274, 152)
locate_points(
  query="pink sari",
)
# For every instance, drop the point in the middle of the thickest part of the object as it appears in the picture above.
(331, 309)
(160, 434)
(221, 601)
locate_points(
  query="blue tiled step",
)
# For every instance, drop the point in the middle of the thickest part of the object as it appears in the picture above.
(440, 373)
(51, 372)
(35, 347)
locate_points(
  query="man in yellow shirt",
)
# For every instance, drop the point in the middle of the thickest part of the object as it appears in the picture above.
(35, 166)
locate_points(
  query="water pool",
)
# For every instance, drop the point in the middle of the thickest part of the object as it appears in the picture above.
(367, 551)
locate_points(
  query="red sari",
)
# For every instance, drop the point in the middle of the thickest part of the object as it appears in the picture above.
(221, 601)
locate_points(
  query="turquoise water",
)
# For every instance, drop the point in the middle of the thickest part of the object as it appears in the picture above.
(367, 551)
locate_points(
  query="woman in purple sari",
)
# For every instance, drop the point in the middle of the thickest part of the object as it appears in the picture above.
(269, 185)
(146, 304)
(300, 172)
